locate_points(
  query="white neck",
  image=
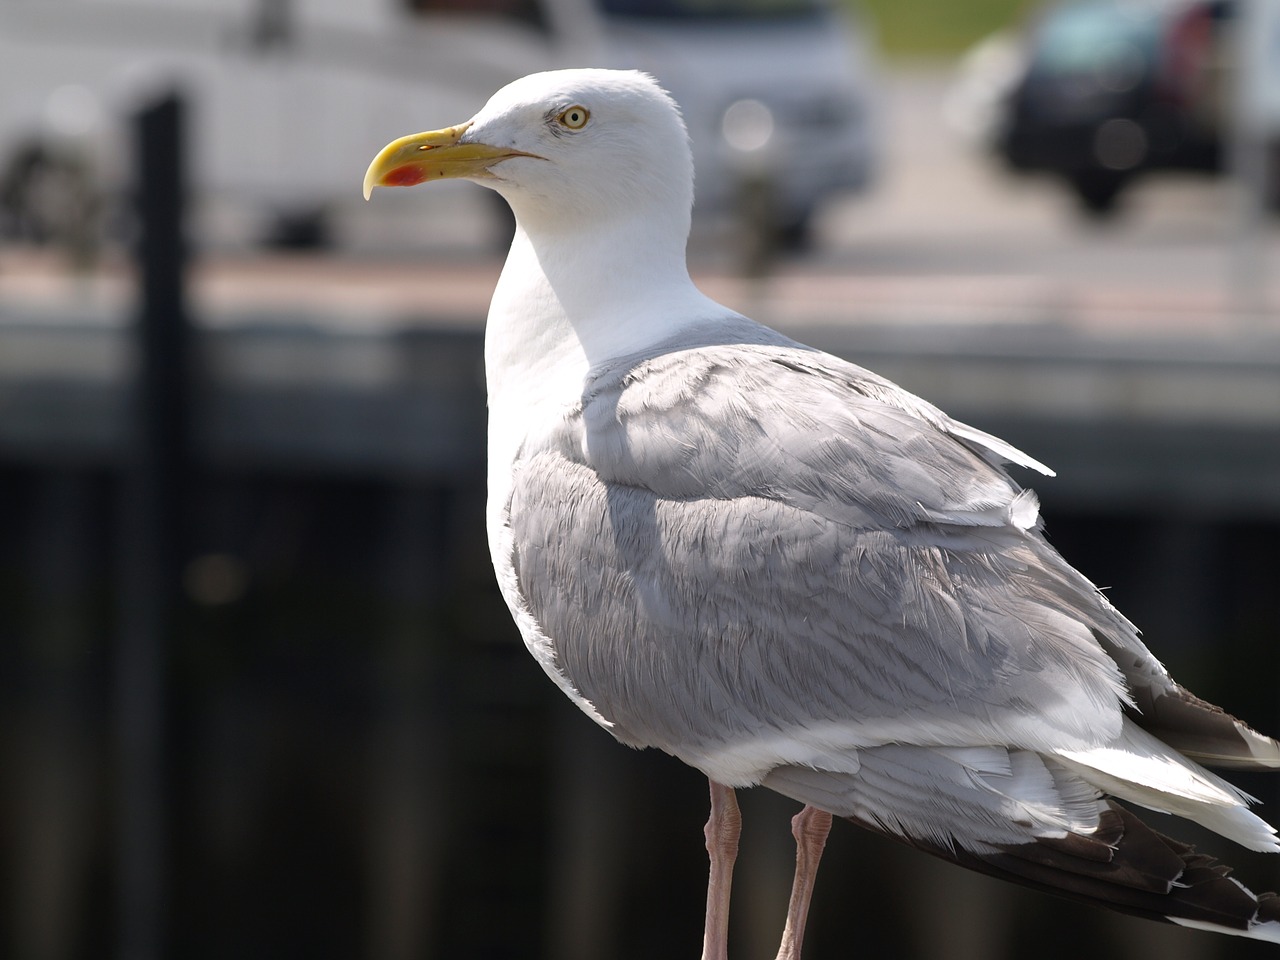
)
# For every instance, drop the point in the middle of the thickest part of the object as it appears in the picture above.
(570, 299)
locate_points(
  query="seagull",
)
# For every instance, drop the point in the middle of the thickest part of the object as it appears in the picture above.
(787, 571)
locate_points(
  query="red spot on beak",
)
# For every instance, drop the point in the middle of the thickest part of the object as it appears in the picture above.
(406, 176)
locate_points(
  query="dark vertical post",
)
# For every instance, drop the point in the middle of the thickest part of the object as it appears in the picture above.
(151, 531)
(407, 799)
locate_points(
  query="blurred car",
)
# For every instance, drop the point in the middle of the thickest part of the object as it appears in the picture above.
(1108, 90)
(291, 98)
(776, 93)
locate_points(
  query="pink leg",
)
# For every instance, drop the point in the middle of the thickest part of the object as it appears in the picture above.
(810, 828)
(723, 827)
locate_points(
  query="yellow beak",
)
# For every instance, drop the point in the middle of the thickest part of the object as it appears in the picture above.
(434, 155)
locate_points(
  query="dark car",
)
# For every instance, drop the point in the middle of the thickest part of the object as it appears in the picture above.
(1114, 88)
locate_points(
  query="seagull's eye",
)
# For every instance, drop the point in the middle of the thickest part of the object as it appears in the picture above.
(575, 118)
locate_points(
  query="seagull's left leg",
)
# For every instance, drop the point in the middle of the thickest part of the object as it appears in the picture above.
(810, 828)
(722, 830)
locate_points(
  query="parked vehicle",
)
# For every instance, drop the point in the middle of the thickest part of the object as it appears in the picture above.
(1108, 90)
(290, 96)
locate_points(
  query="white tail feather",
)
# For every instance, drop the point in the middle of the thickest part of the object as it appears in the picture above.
(1142, 769)
(1268, 931)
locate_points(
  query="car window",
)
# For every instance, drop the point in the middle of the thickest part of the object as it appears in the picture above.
(1077, 39)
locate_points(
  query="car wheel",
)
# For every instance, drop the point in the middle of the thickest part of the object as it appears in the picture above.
(308, 228)
(50, 197)
(1098, 191)
(795, 233)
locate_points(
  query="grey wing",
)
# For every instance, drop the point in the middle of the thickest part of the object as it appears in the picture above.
(750, 561)
(740, 634)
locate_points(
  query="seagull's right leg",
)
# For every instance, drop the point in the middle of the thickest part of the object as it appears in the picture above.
(722, 830)
(810, 828)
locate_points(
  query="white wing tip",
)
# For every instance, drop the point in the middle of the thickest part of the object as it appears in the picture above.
(1024, 510)
(1000, 448)
(1268, 930)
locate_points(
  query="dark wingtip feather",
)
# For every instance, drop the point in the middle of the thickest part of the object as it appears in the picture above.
(1127, 866)
(1202, 730)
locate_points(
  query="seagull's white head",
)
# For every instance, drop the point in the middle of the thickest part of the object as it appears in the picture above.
(563, 147)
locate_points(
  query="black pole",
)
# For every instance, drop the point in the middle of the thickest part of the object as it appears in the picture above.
(152, 480)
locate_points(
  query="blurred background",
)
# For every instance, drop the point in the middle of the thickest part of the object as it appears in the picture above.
(259, 696)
